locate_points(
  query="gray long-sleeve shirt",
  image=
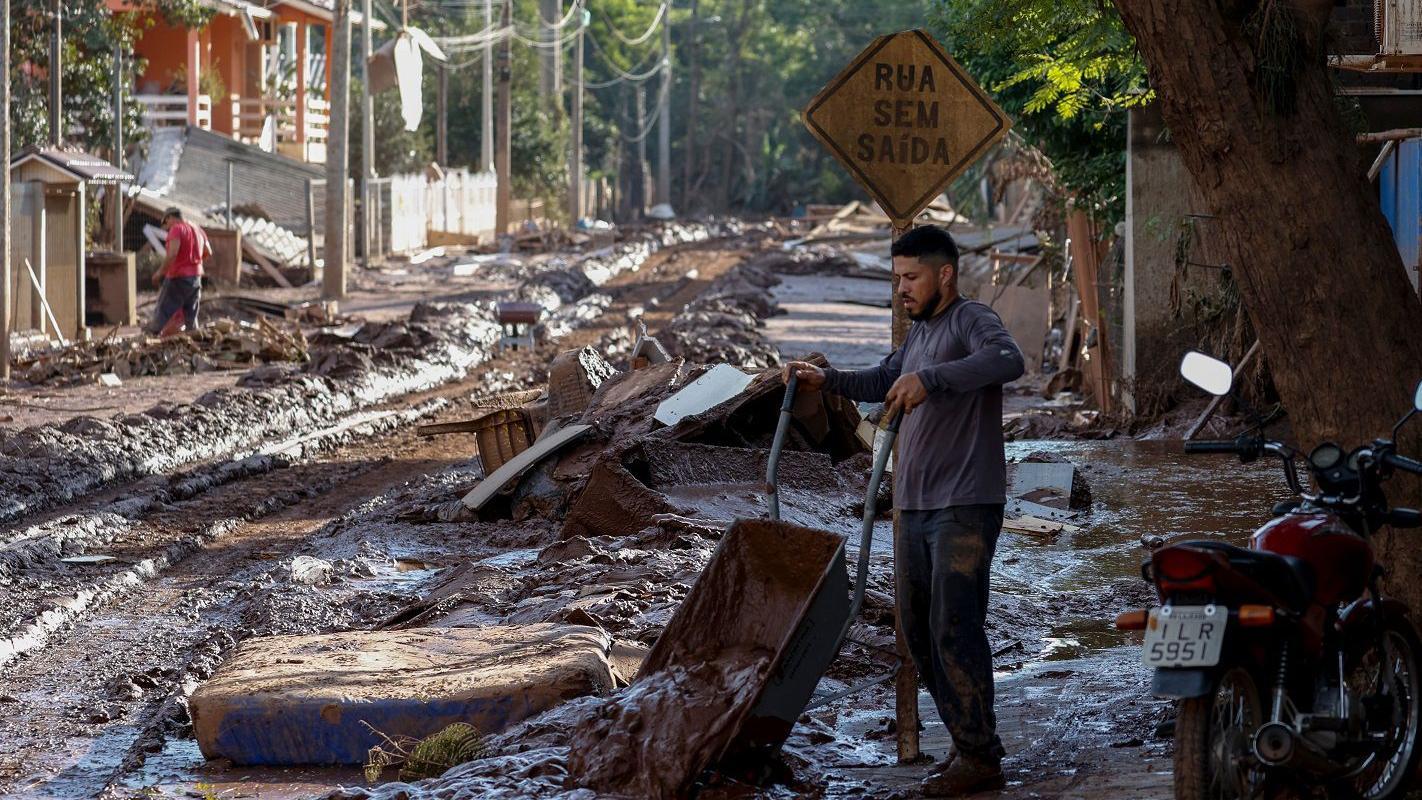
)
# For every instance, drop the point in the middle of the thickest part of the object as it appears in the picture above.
(950, 447)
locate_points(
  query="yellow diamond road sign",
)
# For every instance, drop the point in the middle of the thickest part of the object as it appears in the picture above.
(905, 120)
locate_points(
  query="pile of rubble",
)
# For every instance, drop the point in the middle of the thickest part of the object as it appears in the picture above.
(724, 324)
(223, 344)
(46, 465)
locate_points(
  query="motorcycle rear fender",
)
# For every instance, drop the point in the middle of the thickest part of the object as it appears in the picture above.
(1360, 613)
(1181, 683)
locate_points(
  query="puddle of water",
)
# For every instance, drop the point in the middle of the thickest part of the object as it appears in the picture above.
(1138, 488)
(512, 559)
(180, 770)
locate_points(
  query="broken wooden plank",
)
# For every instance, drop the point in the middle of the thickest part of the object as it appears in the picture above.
(250, 253)
(1034, 526)
(1215, 401)
(521, 463)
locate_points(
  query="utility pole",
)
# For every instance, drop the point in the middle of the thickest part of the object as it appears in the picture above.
(639, 197)
(333, 279)
(693, 87)
(503, 156)
(5, 285)
(664, 115)
(118, 148)
(367, 132)
(549, 61)
(442, 116)
(575, 162)
(56, 78)
(486, 138)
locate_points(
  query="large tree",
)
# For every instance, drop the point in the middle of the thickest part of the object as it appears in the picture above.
(1245, 90)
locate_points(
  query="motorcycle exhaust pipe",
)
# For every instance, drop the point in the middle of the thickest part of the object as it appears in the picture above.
(1278, 745)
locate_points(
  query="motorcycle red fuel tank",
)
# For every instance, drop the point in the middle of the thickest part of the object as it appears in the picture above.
(1341, 559)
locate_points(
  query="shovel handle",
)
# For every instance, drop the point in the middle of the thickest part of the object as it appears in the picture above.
(893, 426)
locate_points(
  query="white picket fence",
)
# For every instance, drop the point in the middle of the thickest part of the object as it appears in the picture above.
(410, 207)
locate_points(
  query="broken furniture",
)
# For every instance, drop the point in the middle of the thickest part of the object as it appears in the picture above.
(550, 442)
(50, 187)
(330, 698)
(224, 266)
(518, 320)
(111, 289)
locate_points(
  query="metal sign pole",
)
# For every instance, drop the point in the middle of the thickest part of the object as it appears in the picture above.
(906, 681)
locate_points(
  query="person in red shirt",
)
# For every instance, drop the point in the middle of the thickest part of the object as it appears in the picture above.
(181, 274)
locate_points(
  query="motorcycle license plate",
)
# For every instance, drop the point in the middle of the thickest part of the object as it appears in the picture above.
(1185, 636)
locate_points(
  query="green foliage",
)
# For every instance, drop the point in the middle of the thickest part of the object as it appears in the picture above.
(1066, 71)
(538, 147)
(539, 141)
(396, 149)
(182, 13)
(91, 35)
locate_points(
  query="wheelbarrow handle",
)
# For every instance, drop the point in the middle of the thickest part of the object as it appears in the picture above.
(772, 484)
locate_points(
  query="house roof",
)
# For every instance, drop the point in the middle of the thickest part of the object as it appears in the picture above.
(325, 9)
(80, 165)
(234, 8)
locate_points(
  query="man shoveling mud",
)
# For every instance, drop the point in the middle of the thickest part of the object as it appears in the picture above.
(949, 487)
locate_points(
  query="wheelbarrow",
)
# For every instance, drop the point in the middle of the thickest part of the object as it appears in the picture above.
(780, 590)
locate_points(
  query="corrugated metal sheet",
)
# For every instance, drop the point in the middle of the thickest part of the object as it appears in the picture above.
(274, 182)
(1400, 193)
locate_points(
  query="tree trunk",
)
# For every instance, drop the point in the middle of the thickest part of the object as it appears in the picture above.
(1312, 254)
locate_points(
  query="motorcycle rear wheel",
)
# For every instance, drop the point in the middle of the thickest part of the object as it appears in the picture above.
(1386, 775)
(1214, 738)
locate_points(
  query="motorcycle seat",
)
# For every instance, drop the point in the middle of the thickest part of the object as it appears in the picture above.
(1291, 579)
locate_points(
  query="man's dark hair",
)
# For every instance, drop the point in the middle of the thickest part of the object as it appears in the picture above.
(176, 214)
(929, 243)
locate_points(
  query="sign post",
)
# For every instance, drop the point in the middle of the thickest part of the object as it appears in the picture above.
(905, 120)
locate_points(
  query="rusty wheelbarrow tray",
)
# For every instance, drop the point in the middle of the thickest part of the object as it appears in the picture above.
(774, 589)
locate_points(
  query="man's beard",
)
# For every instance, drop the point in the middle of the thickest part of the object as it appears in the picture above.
(929, 308)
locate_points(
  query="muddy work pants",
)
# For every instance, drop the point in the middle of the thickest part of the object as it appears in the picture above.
(177, 294)
(942, 564)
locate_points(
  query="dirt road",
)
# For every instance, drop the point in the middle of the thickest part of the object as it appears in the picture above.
(96, 705)
(189, 578)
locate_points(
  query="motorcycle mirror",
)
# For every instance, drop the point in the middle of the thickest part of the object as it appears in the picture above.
(1416, 407)
(1210, 374)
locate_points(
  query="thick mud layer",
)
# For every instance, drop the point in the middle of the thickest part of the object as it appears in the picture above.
(656, 737)
(45, 466)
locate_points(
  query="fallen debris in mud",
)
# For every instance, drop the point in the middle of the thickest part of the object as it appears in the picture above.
(51, 464)
(654, 738)
(46, 465)
(222, 344)
(723, 324)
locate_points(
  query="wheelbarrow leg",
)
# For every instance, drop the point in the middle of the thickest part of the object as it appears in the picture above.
(871, 511)
(866, 545)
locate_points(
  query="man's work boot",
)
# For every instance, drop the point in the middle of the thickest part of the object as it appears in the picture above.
(964, 775)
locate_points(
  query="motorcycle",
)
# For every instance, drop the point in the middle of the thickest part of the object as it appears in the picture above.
(1290, 668)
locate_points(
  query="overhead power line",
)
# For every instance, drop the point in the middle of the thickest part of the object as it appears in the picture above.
(647, 34)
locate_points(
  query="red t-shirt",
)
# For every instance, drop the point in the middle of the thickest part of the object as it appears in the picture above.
(187, 263)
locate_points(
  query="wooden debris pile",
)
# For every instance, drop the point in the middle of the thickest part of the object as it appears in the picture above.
(223, 344)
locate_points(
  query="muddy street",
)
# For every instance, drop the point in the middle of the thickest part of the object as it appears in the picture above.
(118, 604)
(359, 526)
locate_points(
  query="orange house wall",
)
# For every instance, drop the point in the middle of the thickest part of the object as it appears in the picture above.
(163, 46)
